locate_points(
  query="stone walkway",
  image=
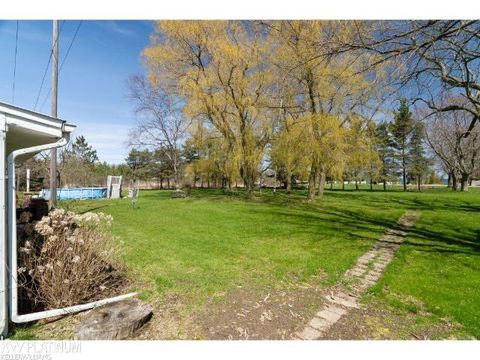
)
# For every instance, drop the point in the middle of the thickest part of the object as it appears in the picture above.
(370, 266)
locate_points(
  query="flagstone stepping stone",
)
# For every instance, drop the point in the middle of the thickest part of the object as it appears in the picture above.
(309, 333)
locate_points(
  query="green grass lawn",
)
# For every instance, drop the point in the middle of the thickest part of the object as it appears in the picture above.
(211, 243)
(439, 262)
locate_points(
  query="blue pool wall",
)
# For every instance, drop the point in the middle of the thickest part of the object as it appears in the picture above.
(87, 193)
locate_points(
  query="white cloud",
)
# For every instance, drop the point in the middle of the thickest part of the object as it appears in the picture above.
(115, 27)
(109, 139)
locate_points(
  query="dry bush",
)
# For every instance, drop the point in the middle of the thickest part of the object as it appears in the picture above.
(67, 259)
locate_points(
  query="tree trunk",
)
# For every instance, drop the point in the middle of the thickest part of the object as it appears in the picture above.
(454, 182)
(343, 184)
(288, 188)
(168, 182)
(321, 184)
(449, 180)
(384, 185)
(176, 171)
(356, 184)
(464, 182)
(311, 184)
(248, 177)
(371, 184)
(249, 184)
(331, 185)
(404, 173)
(419, 181)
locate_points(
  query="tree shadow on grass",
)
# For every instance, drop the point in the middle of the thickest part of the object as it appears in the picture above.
(411, 200)
(92, 209)
(357, 224)
(341, 223)
(435, 241)
(467, 242)
(367, 222)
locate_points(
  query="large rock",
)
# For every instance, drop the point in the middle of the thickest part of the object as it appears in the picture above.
(114, 321)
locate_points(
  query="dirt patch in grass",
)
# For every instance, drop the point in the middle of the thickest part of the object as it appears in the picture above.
(170, 321)
(374, 321)
(269, 313)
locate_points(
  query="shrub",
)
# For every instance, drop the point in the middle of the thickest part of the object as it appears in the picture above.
(67, 259)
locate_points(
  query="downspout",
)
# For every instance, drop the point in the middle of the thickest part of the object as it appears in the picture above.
(3, 231)
(12, 246)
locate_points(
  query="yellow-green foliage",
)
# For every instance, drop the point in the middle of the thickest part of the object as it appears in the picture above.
(218, 67)
(362, 158)
(249, 79)
(289, 150)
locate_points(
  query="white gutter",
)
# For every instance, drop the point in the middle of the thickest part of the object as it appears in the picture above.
(12, 246)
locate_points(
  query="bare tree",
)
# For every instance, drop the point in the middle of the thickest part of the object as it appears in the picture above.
(430, 59)
(160, 121)
(460, 156)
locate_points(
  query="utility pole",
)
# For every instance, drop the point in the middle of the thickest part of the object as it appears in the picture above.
(53, 153)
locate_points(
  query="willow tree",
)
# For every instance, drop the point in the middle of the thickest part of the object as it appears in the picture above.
(362, 158)
(326, 140)
(290, 151)
(212, 161)
(327, 83)
(220, 70)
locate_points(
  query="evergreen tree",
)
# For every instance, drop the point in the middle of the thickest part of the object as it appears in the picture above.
(401, 129)
(419, 162)
(162, 167)
(138, 161)
(77, 164)
(386, 153)
(83, 151)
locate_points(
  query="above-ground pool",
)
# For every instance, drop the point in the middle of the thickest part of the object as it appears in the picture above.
(77, 193)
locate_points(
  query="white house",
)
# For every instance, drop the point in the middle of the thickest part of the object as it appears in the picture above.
(23, 134)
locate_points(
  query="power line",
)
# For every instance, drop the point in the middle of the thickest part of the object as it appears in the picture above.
(63, 61)
(71, 44)
(15, 64)
(46, 69)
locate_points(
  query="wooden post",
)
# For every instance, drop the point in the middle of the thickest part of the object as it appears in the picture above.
(28, 180)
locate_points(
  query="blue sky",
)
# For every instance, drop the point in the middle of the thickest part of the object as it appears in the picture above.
(92, 83)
